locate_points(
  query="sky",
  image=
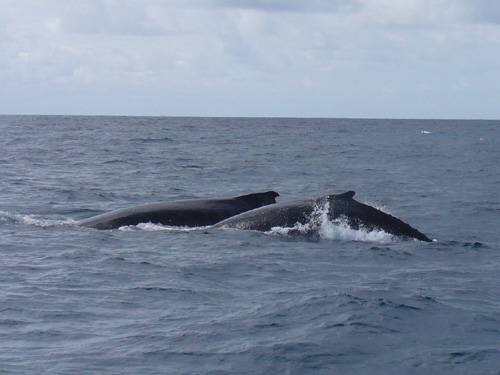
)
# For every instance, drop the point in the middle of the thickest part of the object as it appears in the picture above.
(287, 58)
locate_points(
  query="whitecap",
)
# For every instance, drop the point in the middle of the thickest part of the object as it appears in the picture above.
(36, 220)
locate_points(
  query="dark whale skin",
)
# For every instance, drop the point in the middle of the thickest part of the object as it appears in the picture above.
(184, 213)
(356, 214)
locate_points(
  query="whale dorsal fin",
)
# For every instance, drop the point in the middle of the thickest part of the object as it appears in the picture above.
(347, 195)
(271, 194)
(266, 196)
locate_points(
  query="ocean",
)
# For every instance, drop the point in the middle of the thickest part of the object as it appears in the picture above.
(151, 299)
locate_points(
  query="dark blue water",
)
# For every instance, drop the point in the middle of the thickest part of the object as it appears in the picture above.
(152, 300)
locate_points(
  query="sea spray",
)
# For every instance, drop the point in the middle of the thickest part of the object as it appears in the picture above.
(319, 224)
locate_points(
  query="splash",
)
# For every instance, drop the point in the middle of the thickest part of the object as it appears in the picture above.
(31, 219)
(340, 230)
(319, 224)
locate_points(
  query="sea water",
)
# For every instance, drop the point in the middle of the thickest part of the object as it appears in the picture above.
(154, 300)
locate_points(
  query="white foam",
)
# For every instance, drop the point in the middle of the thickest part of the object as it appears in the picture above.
(35, 220)
(298, 228)
(425, 132)
(320, 224)
(151, 227)
(341, 231)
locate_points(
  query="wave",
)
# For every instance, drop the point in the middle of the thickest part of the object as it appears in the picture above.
(32, 219)
(152, 140)
(320, 225)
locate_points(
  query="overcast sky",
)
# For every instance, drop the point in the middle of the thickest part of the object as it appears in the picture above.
(310, 58)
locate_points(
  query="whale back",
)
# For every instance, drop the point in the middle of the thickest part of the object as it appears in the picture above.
(190, 213)
(360, 215)
(275, 215)
(341, 206)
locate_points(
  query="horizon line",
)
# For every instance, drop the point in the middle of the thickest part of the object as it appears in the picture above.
(255, 117)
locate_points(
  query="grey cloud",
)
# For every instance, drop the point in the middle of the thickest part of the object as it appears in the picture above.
(288, 5)
(482, 11)
(109, 17)
(291, 57)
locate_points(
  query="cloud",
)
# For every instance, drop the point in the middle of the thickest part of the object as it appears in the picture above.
(311, 57)
(287, 5)
(482, 11)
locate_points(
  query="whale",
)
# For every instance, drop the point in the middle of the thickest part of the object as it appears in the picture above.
(339, 207)
(183, 213)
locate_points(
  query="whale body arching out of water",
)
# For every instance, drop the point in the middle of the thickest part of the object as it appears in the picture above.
(340, 206)
(184, 213)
